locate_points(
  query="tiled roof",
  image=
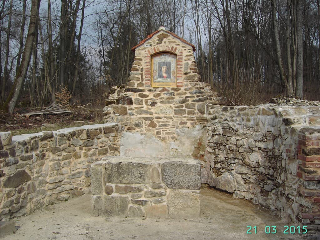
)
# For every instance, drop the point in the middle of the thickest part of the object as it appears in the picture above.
(171, 33)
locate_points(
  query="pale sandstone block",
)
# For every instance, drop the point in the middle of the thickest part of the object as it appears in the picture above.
(5, 138)
(115, 205)
(157, 211)
(96, 179)
(126, 173)
(97, 206)
(136, 212)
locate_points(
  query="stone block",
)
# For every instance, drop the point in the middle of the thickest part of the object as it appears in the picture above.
(191, 77)
(5, 138)
(26, 157)
(4, 154)
(183, 204)
(152, 124)
(152, 194)
(144, 112)
(201, 107)
(77, 174)
(115, 205)
(46, 135)
(11, 161)
(225, 182)
(125, 189)
(76, 142)
(88, 143)
(97, 206)
(157, 211)
(66, 157)
(126, 172)
(190, 105)
(134, 90)
(34, 145)
(163, 110)
(136, 212)
(135, 195)
(108, 189)
(158, 200)
(143, 95)
(103, 151)
(17, 179)
(96, 179)
(138, 101)
(180, 175)
(61, 141)
(155, 176)
(120, 109)
(265, 112)
(180, 111)
(141, 202)
(107, 130)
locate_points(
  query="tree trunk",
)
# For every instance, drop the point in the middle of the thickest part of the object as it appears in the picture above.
(46, 85)
(76, 74)
(23, 23)
(278, 50)
(288, 39)
(63, 35)
(299, 90)
(73, 30)
(26, 56)
(51, 63)
(6, 64)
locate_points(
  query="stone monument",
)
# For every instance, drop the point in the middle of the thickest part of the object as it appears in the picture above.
(161, 111)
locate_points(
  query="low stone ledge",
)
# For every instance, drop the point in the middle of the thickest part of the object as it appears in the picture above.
(146, 187)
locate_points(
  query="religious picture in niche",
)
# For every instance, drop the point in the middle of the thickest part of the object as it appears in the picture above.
(164, 70)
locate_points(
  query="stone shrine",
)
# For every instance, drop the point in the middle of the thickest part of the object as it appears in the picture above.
(165, 135)
(161, 110)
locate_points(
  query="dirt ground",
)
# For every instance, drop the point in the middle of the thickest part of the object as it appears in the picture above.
(222, 217)
(21, 122)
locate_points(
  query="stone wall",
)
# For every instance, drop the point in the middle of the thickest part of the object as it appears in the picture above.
(146, 187)
(44, 168)
(252, 152)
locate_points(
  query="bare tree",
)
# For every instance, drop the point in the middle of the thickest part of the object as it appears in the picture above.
(6, 64)
(23, 68)
(299, 27)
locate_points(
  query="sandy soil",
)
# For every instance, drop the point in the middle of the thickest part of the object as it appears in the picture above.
(222, 217)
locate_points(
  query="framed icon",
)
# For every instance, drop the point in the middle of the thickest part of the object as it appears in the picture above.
(164, 70)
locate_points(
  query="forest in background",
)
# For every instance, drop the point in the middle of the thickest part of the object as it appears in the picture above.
(76, 50)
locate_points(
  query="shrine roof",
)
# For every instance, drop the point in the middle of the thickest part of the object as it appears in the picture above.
(162, 29)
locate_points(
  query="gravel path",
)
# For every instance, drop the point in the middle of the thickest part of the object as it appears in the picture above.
(222, 217)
